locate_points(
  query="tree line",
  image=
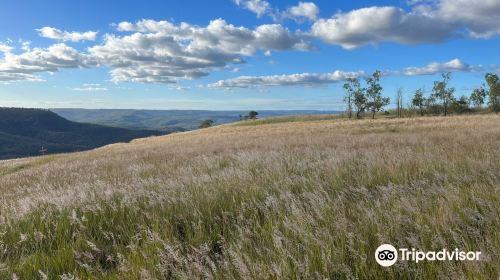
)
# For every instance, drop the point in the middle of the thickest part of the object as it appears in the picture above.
(368, 98)
(252, 115)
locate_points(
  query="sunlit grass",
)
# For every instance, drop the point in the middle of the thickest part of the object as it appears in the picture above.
(308, 199)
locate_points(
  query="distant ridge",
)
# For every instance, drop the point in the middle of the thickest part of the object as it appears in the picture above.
(167, 120)
(23, 132)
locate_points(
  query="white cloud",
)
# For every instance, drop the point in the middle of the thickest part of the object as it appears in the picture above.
(318, 79)
(428, 21)
(7, 77)
(161, 52)
(91, 88)
(24, 66)
(152, 51)
(378, 24)
(302, 11)
(4, 48)
(259, 7)
(25, 45)
(56, 34)
(303, 79)
(454, 65)
(307, 10)
(480, 17)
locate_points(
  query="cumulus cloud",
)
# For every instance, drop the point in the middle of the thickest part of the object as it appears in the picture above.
(304, 10)
(427, 22)
(319, 79)
(4, 48)
(378, 24)
(259, 7)
(481, 18)
(162, 52)
(56, 34)
(303, 79)
(454, 65)
(24, 66)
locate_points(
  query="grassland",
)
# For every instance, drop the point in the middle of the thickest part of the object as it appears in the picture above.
(308, 199)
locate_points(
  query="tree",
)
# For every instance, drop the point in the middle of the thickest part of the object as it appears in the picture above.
(359, 102)
(441, 92)
(494, 92)
(419, 100)
(206, 123)
(252, 115)
(351, 87)
(460, 105)
(478, 96)
(374, 94)
(399, 97)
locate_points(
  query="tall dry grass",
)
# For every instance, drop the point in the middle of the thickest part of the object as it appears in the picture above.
(301, 200)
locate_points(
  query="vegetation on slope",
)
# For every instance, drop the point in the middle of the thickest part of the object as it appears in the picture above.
(23, 132)
(165, 120)
(280, 201)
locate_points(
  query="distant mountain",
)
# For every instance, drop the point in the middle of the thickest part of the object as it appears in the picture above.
(23, 132)
(166, 120)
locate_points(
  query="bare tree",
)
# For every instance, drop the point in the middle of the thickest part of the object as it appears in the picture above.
(399, 97)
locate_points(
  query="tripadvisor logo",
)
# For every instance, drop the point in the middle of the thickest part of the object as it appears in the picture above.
(387, 255)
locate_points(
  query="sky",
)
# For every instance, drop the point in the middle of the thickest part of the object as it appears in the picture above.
(237, 54)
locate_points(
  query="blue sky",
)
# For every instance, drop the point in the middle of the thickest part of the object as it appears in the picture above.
(241, 54)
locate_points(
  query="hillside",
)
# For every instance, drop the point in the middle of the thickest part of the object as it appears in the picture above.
(24, 131)
(165, 120)
(308, 199)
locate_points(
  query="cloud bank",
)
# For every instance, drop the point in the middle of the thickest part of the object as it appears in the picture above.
(426, 22)
(56, 34)
(150, 51)
(23, 67)
(320, 79)
(162, 52)
(303, 79)
(302, 11)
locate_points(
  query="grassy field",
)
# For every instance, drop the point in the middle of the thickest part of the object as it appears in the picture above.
(306, 199)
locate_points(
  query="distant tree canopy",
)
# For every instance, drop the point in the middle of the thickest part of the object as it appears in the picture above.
(460, 105)
(31, 132)
(363, 99)
(374, 94)
(494, 91)
(206, 123)
(441, 100)
(419, 100)
(351, 87)
(441, 92)
(252, 115)
(478, 96)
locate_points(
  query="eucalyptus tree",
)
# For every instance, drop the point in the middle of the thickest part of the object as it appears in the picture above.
(494, 91)
(477, 97)
(351, 87)
(375, 100)
(443, 93)
(419, 101)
